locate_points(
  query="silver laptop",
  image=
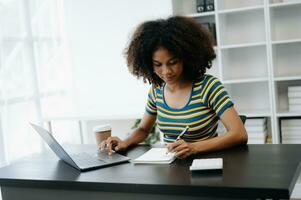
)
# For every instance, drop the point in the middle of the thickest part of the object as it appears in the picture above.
(81, 161)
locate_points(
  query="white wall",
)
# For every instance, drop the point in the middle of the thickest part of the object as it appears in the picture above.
(99, 31)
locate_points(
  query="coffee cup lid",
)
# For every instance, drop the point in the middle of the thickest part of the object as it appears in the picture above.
(103, 127)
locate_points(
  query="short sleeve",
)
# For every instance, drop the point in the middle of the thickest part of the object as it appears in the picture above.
(218, 98)
(151, 106)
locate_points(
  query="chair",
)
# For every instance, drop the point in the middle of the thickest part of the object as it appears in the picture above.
(243, 118)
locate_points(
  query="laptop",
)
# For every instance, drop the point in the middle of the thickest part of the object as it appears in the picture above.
(81, 161)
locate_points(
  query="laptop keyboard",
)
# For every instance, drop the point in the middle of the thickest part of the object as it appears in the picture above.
(114, 157)
(85, 159)
(102, 157)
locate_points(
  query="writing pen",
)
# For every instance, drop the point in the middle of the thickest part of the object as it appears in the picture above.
(180, 135)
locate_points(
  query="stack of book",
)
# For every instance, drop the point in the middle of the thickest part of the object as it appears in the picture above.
(257, 130)
(291, 131)
(294, 98)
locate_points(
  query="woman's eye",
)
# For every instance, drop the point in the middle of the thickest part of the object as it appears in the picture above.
(173, 62)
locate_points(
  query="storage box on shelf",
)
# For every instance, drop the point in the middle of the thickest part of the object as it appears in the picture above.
(294, 98)
(257, 130)
(284, 95)
(258, 49)
(291, 131)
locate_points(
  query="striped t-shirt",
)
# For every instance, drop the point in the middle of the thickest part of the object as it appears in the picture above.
(208, 100)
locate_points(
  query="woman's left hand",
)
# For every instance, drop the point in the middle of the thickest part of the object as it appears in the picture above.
(181, 149)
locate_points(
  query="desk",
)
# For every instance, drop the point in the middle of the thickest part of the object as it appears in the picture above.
(251, 171)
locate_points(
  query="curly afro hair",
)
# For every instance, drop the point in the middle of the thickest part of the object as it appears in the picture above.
(183, 37)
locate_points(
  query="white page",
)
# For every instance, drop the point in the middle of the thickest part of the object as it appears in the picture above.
(155, 156)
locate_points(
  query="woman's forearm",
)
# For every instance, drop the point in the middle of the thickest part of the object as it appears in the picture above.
(224, 141)
(137, 136)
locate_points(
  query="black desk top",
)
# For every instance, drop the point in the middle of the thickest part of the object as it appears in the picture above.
(265, 171)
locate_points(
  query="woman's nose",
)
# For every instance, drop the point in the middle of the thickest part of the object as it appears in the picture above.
(166, 70)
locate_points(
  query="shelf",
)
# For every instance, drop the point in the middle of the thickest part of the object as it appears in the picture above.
(287, 78)
(248, 63)
(258, 53)
(281, 89)
(255, 113)
(245, 96)
(286, 23)
(245, 80)
(238, 5)
(286, 41)
(254, 44)
(288, 114)
(238, 28)
(188, 8)
(237, 10)
(287, 59)
(284, 4)
(201, 14)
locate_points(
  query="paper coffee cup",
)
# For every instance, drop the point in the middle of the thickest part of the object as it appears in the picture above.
(102, 132)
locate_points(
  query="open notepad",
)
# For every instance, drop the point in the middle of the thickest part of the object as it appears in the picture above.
(155, 156)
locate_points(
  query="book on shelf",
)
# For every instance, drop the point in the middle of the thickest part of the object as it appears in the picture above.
(284, 141)
(255, 122)
(291, 138)
(257, 136)
(291, 133)
(256, 141)
(155, 156)
(291, 129)
(255, 128)
(294, 107)
(290, 122)
(294, 94)
(204, 6)
(294, 101)
(200, 6)
(294, 88)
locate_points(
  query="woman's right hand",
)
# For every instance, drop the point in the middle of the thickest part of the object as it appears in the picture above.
(113, 144)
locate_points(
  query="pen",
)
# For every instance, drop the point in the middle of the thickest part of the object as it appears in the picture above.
(180, 135)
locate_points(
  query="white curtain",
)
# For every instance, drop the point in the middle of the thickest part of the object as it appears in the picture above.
(35, 72)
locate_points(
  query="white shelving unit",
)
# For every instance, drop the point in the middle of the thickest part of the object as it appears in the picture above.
(258, 53)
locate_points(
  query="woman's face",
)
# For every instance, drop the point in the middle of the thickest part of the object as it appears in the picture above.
(167, 67)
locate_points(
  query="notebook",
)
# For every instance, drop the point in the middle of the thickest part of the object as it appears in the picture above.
(207, 164)
(155, 156)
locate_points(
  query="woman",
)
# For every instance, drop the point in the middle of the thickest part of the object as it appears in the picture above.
(172, 55)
